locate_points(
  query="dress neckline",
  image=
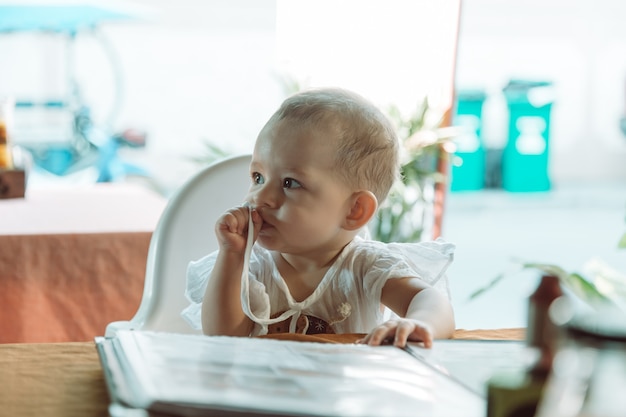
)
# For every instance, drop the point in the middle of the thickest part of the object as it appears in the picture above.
(323, 284)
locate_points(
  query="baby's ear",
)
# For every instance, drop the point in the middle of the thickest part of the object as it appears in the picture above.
(362, 209)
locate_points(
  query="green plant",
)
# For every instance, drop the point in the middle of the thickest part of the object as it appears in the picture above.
(622, 242)
(403, 216)
(212, 153)
(599, 286)
(580, 286)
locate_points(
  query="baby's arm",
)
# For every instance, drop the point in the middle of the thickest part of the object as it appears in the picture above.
(222, 313)
(426, 314)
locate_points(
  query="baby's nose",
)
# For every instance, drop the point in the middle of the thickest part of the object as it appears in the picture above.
(264, 196)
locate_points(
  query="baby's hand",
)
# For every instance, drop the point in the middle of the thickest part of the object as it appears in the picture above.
(231, 228)
(398, 332)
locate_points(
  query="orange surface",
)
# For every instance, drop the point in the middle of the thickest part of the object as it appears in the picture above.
(67, 288)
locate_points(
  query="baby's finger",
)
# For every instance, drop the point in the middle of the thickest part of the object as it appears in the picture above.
(403, 331)
(258, 222)
(234, 220)
(227, 223)
(422, 334)
(381, 334)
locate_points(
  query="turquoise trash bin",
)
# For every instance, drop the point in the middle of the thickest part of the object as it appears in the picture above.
(525, 160)
(468, 161)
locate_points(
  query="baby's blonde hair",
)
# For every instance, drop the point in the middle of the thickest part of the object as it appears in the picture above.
(367, 144)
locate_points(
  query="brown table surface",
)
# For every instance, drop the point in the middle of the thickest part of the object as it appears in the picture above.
(73, 260)
(66, 379)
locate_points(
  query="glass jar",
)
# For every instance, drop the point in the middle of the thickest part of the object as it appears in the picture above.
(6, 118)
(588, 376)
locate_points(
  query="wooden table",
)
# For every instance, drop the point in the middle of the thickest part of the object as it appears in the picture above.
(66, 380)
(73, 259)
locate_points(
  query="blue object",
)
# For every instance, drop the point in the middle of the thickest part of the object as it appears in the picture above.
(55, 18)
(525, 160)
(56, 159)
(68, 19)
(111, 167)
(468, 163)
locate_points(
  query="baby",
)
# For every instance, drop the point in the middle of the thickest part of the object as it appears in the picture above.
(321, 166)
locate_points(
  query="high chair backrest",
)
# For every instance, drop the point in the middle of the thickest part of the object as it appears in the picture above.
(185, 232)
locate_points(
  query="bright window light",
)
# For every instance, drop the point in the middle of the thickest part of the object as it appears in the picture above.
(392, 51)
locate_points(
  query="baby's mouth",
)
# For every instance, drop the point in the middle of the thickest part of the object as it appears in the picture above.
(266, 225)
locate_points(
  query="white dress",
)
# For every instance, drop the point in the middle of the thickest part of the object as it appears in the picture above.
(348, 297)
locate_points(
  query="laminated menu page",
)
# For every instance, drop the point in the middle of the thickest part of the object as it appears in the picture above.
(193, 375)
(473, 362)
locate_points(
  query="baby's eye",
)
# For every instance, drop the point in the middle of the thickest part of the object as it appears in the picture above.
(291, 183)
(257, 178)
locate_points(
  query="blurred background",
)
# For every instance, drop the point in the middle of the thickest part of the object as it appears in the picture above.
(152, 88)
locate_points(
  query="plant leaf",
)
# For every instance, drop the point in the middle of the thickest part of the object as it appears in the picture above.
(490, 285)
(212, 153)
(576, 283)
(550, 269)
(580, 286)
(587, 291)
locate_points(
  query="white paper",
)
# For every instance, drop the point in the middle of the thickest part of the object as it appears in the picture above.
(289, 378)
(473, 362)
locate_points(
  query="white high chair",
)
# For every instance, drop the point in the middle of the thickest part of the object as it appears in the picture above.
(185, 232)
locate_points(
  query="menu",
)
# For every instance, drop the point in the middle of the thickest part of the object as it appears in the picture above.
(192, 375)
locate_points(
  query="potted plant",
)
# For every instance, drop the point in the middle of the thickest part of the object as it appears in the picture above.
(408, 211)
(599, 286)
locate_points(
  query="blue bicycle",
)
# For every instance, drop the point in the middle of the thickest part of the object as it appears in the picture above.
(87, 144)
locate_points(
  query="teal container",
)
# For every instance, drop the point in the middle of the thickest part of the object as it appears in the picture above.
(468, 161)
(525, 160)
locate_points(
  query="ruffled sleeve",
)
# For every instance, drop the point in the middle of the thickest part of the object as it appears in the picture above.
(427, 261)
(198, 273)
(430, 260)
(197, 279)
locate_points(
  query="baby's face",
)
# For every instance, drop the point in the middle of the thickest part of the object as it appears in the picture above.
(296, 191)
